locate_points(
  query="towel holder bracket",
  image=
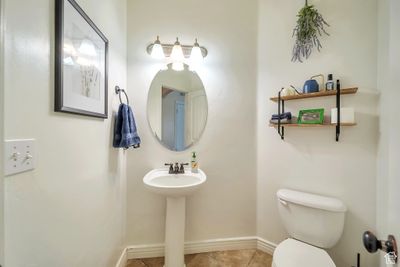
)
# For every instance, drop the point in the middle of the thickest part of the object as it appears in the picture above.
(118, 91)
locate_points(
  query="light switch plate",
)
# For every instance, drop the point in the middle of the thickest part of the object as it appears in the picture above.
(19, 156)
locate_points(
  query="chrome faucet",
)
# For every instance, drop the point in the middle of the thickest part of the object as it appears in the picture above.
(175, 169)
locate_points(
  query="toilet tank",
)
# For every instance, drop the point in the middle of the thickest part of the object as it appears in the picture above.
(313, 219)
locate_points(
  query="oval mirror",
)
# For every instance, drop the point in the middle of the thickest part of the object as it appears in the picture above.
(177, 108)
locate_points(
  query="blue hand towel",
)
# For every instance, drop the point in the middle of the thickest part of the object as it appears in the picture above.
(125, 131)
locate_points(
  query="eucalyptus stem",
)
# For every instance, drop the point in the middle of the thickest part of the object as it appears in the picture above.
(310, 25)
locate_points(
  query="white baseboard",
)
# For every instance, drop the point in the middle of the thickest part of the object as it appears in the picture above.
(266, 246)
(122, 259)
(223, 244)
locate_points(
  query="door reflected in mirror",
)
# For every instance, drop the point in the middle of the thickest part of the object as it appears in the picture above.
(177, 108)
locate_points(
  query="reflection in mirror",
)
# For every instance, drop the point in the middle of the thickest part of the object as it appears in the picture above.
(177, 108)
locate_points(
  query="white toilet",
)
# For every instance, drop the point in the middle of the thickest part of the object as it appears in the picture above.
(314, 223)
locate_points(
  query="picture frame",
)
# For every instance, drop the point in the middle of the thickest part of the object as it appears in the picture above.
(81, 62)
(311, 116)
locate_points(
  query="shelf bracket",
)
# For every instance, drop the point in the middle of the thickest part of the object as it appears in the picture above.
(281, 106)
(338, 113)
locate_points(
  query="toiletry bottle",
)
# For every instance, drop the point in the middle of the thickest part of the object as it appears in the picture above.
(330, 83)
(194, 163)
(337, 84)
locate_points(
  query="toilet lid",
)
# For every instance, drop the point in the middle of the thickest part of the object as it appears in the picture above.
(293, 253)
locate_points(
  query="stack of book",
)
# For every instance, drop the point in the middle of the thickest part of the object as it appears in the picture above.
(285, 118)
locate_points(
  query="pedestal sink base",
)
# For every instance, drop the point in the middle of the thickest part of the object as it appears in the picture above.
(175, 187)
(175, 232)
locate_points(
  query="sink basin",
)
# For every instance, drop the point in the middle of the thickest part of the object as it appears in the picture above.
(173, 185)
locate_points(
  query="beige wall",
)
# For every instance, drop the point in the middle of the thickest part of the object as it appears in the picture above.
(310, 159)
(70, 210)
(225, 206)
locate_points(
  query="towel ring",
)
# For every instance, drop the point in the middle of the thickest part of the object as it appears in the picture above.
(118, 91)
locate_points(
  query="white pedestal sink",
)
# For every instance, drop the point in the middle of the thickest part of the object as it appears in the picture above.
(175, 187)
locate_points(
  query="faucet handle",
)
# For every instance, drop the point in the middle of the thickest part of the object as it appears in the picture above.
(171, 169)
(182, 169)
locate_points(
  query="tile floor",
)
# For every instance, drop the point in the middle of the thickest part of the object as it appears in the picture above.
(234, 258)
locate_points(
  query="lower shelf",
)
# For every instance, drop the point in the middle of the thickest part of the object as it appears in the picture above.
(311, 125)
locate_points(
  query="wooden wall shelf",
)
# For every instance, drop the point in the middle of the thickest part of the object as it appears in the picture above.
(311, 125)
(344, 91)
(281, 109)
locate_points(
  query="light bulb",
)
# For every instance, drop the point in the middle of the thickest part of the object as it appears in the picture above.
(178, 66)
(87, 48)
(196, 55)
(157, 52)
(177, 52)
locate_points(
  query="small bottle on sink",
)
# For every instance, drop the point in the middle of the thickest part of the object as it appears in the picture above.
(194, 164)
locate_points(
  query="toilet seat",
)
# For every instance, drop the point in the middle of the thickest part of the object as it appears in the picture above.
(294, 253)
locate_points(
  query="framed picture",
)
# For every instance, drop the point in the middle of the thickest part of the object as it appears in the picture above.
(311, 116)
(81, 62)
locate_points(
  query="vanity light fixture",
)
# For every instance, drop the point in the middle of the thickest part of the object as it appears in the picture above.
(157, 52)
(196, 55)
(177, 56)
(177, 53)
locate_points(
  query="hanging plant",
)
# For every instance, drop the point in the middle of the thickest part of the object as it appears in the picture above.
(310, 25)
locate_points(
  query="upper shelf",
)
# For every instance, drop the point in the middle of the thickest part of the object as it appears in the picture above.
(344, 91)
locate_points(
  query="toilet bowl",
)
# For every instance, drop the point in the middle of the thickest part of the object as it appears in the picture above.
(294, 253)
(314, 223)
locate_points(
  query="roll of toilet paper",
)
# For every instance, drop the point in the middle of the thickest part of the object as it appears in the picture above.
(346, 115)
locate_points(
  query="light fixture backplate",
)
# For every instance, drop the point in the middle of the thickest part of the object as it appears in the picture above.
(187, 49)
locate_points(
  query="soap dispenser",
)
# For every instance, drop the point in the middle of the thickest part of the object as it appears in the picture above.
(194, 163)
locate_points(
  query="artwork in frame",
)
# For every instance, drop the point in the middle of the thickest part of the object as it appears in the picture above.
(311, 116)
(81, 62)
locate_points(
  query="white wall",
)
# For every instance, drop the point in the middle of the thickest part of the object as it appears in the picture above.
(70, 210)
(225, 206)
(1, 131)
(310, 159)
(388, 217)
